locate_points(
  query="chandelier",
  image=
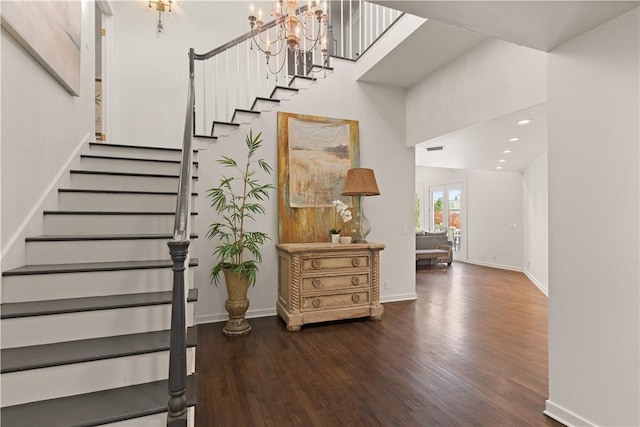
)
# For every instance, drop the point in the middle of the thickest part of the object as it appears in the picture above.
(295, 27)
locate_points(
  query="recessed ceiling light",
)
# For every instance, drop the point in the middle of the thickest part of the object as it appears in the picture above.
(524, 121)
(501, 161)
(506, 151)
(514, 139)
(498, 167)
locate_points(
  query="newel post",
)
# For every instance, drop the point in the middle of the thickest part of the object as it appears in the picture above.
(177, 416)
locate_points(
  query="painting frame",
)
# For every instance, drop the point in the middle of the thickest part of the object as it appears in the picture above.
(51, 32)
(308, 224)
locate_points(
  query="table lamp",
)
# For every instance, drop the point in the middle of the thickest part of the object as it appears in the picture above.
(360, 182)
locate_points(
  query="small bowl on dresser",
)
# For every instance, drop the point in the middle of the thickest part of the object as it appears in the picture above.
(345, 239)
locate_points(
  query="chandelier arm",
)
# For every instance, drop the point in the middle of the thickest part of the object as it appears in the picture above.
(316, 39)
(284, 61)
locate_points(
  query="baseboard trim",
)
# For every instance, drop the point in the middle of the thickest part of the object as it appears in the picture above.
(399, 297)
(6, 258)
(565, 416)
(222, 317)
(253, 314)
(488, 264)
(535, 281)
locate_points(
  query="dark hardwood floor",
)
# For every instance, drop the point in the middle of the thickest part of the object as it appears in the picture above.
(471, 351)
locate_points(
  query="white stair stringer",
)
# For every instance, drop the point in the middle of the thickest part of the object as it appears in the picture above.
(101, 272)
(279, 95)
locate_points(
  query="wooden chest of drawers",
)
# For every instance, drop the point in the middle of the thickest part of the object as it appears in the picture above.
(318, 282)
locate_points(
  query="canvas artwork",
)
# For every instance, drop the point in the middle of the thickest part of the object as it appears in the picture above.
(314, 154)
(318, 162)
(50, 31)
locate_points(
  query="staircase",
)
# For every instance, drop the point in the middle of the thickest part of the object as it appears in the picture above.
(85, 324)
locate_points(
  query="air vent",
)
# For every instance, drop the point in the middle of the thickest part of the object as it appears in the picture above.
(439, 148)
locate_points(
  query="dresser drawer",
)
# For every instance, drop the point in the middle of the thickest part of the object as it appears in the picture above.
(335, 262)
(322, 302)
(328, 283)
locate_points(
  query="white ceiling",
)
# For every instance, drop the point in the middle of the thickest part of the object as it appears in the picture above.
(541, 25)
(480, 147)
(428, 48)
(453, 27)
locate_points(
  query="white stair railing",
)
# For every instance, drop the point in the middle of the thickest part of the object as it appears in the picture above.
(234, 75)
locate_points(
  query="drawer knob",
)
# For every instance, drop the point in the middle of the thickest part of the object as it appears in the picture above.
(355, 262)
(315, 303)
(315, 283)
(315, 263)
(355, 298)
(355, 280)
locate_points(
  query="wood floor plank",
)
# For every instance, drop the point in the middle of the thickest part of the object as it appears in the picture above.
(472, 350)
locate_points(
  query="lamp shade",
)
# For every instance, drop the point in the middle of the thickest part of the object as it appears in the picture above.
(360, 182)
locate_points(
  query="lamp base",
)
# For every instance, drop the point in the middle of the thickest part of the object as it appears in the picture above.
(360, 226)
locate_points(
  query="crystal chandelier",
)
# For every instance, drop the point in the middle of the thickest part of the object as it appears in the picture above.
(294, 27)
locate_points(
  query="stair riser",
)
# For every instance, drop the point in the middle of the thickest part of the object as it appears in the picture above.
(134, 152)
(152, 420)
(42, 287)
(284, 94)
(265, 105)
(109, 224)
(119, 182)
(68, 252)
(302, 83)
(118, 202)
(242, 117)
(131, 166)
(67, 380)
(35, 330)
(223, 130)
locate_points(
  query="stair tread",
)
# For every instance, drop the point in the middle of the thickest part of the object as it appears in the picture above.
(136, 159)
(144, 147)
(14, 310)
(87, 350)
(132, 174)
(195, 135)
(293, 89)
(217, 122)
(261, 98)
(298, 76)
(71, 238)
(101, 407)
(242, 110)
(93, 266)
(90, 190)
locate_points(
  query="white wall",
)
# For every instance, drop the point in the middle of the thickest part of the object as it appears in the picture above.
(536, 223)
(489, 81)
(493, 203)
(380, 113)
(151, 73)
(42, 126)
(594, 260)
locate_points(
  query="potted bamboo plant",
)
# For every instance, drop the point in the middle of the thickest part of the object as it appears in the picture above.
(237, 199)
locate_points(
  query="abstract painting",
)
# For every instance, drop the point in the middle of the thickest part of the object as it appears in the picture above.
(314, 154)
(50, 32)
(318, 162)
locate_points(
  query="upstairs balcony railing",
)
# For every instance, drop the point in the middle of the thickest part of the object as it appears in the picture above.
(233, 75)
